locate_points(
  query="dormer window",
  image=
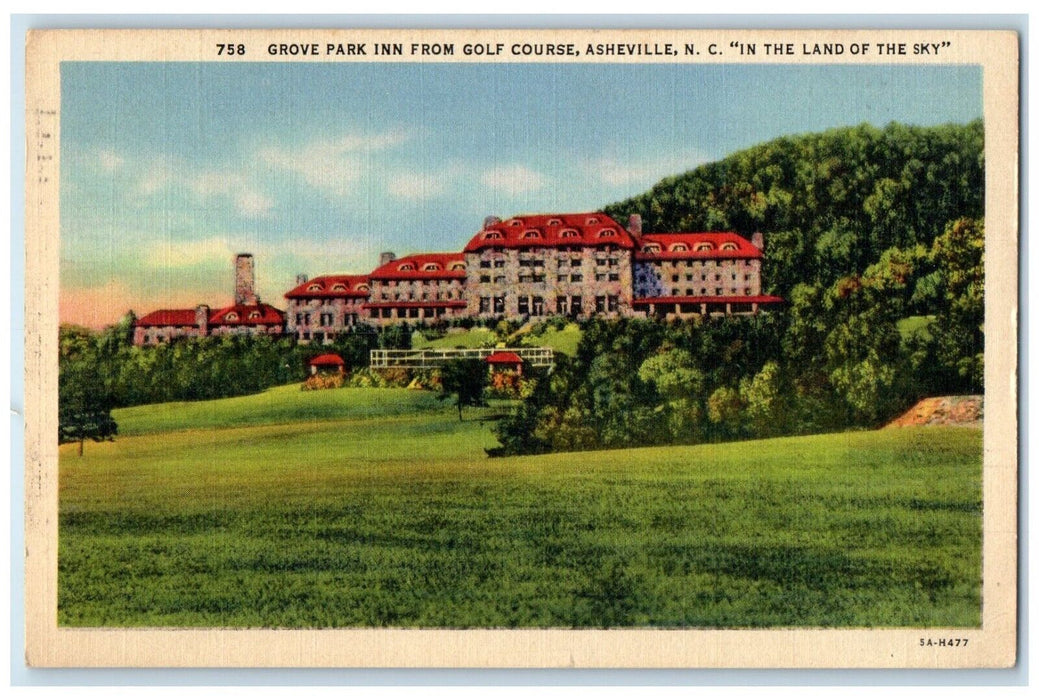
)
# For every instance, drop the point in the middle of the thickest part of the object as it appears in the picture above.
(458, 266)
(361, 287)
(314, 288)
(555, 222)
(231, 317)
(340, 287)
(406, 267)
(607, 233)
(679, 248)
(431, 267)
(569, 233)
(515, 222)
(703, 246)
(651, 248)
(531, 234)
(591, 221)
(729, 246)
(492, 236)
(254, 314)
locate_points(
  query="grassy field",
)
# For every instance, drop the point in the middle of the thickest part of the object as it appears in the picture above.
(362, 507)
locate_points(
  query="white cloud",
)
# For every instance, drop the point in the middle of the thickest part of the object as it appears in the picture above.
(644, 172)
(110, 161)
(253, 204)
(513, 179)
(416, 185)
(332, 165)
(180, 254)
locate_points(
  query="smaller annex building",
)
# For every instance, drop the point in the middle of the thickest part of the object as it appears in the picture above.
(247, 315)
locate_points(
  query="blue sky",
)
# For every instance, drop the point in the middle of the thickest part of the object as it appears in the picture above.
(169, 169)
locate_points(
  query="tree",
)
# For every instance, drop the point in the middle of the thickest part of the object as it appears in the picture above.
(959, 255)
(84, 407)
(465, 380)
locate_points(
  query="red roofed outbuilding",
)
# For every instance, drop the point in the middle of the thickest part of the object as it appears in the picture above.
(505, 360)
(329, 362)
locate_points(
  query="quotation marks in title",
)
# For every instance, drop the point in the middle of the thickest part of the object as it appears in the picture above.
(839, 48)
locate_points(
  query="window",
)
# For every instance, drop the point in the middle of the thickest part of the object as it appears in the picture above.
(729, 246)
(362, 287)
(531, 235)
(254, 314)
(314, 288)
(555, 222)
(704, 246)
(406, 267)
(524, 305)
(515, 222)
(499, 263)
(679, 248)
(576, 278)
(339, 287)
(485, 305)
(614, 277)
(485, 264)
(458, 266)
(607, 233)
(327, 319)
(592, 220)
(492, 236)
(612, 302)
(600, 304)
(538, 306)
(485, 279)
(431, 267)
(569, 233)
(651, 248)
(499, 305)
(231, 316)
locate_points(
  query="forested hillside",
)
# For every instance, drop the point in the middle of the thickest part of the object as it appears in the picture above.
(875, 237)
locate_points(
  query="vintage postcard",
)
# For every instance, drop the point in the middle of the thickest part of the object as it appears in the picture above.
(521, 348)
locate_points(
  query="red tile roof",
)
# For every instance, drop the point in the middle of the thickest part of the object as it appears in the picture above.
(247, 315)
(168, 317)
(327, 360)
(552, 231)
(331, 286)
(685, 246)
(504, 358)
(431, 266)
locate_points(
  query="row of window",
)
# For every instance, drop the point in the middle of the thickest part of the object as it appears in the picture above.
(533, 305)
(326, 319)
(718, 291)
(684, 247)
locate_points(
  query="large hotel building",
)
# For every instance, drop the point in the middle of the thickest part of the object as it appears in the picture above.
(526, 267)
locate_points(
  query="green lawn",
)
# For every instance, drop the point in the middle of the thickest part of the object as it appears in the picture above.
(472, 338)
(378, 508)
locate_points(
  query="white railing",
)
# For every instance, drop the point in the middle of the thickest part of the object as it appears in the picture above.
(426, 358)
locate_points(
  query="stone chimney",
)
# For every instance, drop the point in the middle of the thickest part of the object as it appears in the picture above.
(202, 318)
(386, 257)
(635, 225)
(757, 240)
(244, 280)
(301, 279)
(491, 220)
